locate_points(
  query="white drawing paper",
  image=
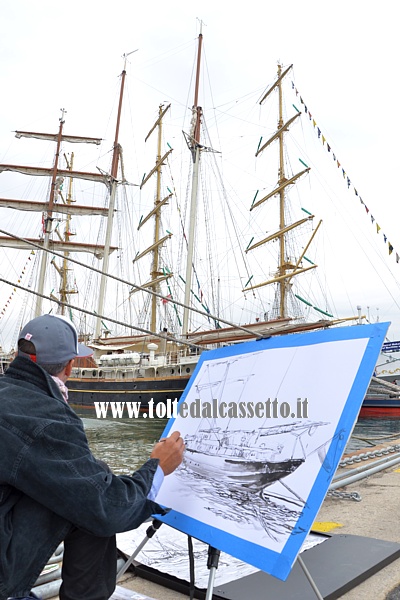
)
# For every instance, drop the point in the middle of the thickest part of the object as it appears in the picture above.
(265, 424)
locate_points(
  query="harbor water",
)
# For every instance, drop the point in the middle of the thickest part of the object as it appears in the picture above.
(369, 432)
(125, 444)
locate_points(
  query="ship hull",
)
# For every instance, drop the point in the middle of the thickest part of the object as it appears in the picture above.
(380, 407)
(240, 473)
(85, 392)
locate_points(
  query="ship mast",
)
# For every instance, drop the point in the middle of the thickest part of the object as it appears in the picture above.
(156, 276)
(66, 289)
(157, 223)
(111, 206)
(193, 142)
(282, 268)
(52, 205)
(286, 270)
(48, 221)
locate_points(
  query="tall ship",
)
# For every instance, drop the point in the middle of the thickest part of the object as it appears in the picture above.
(147, 339)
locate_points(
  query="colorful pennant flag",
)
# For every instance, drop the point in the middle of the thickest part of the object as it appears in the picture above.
(345, 176)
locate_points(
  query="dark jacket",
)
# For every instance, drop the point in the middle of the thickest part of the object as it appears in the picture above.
(49, 479)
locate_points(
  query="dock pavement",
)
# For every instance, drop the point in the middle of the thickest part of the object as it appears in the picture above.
(376, 515)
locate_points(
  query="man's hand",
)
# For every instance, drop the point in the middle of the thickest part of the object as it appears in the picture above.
(169, 451)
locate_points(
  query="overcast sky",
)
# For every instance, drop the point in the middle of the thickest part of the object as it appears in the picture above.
(68, 54)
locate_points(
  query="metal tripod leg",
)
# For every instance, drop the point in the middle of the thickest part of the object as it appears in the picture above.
(212, 564)
(310, 579)
(149, 534)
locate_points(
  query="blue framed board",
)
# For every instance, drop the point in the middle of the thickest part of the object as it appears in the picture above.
(265, 424)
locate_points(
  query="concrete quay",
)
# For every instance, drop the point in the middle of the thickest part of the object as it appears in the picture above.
(375, 516)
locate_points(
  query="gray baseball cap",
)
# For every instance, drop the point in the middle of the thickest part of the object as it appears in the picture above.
(55, 339)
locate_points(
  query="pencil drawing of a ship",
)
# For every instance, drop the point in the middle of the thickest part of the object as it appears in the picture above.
(248, 459)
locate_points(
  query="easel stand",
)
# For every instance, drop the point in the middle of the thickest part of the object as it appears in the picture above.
(149, 534)
(212, 564)
(212, 561)
(310, 579)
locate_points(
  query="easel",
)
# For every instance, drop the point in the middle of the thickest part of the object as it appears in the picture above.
(212, 563)
(149, 534)
(310, 579)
